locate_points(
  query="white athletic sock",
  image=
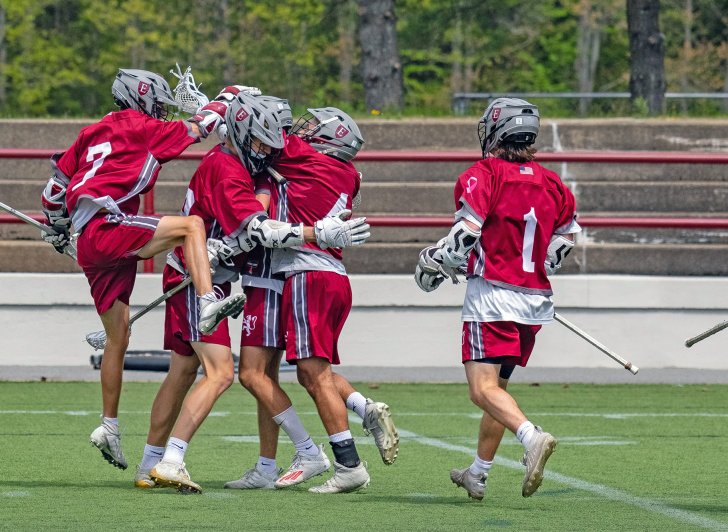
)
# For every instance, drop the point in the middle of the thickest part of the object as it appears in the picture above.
(480, 467)
(175, 451)
(151, 457)
(111, 421)
(266, 465)
(358, 403)
(525, 432)
(341, 436)
(289, 421)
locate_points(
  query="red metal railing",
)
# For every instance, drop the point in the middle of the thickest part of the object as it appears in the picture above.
(611, 157)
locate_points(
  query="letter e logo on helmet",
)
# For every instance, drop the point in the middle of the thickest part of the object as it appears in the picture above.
(241, 115)
(341, 132)
(496, 113)
(143, 88)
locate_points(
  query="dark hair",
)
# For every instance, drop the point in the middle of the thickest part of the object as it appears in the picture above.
(514, 152)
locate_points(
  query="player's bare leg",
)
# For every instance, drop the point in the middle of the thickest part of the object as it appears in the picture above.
(376, 419)
(219, 370)
(349, 472)
(107, 437)
(258, 373)
(165, 410)
(487, 393)
(189, 232)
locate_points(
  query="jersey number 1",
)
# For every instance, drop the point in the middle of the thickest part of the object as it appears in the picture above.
(102, 150)
(528, 237)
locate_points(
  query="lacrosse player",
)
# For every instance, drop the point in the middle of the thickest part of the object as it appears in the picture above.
(222, 194)
(96, 186)
(261, 350)
(514, 224)
(321, 180)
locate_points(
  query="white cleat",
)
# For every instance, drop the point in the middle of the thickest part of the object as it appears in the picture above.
(540, 448)
(345, 479)
(253, 479)
(378, 422)
(108, 440)
(213, 310)
(304, 467)
(473, 484)
(167, 473)
(142, 479)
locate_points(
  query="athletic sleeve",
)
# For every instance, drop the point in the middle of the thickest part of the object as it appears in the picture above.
(567, 214)
(166, 140)
(263, 184)
(235, 203)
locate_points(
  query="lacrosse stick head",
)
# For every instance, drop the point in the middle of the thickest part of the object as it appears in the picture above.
(97, 339)
(187, 94)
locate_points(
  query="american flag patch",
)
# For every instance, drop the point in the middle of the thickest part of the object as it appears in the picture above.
(526, 170)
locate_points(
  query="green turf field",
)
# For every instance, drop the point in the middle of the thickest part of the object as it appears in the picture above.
(630, 457)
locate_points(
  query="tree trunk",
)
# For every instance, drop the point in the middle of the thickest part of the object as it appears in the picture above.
(687, 53)
(380, 61)
(647, 54)
(589, 37)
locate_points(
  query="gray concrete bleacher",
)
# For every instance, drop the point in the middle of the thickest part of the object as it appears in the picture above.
(425, 189)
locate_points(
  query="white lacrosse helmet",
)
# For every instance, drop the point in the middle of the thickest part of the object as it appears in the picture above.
(330, 131)
(143, 91)
(508, 120)
(249, 117)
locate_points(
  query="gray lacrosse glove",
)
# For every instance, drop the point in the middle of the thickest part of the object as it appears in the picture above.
(337, 231)
(429, 272)
(61, 236)
(218, 252)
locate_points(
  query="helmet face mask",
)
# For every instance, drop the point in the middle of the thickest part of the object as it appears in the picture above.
(508, 120)
(254, 130)
(330, 131)
(143, 91)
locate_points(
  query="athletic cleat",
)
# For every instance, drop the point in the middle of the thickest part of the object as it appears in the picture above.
(345, 479)
(304, 467)
(540, 448)
(142, 479)
(473, 484)
(108, 440)
(167, 473)
(253, 479)
(378, 422)
(214, 310)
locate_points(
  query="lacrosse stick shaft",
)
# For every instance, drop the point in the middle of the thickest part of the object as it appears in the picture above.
(611, 354)
(703, 335)
(276, 175)
(164, 297)
(68, 250)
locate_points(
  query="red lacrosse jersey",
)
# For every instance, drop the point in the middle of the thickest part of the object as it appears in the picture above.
(317, 185)
(222, 193)
(520, 206)
(118, 158)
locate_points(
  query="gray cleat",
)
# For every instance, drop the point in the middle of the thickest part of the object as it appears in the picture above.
(473, 484)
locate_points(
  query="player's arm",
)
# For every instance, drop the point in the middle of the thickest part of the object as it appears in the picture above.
(560, 245)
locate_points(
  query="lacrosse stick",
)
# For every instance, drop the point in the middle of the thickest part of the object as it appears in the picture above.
(187, 94)
(703, 335)
(97, 339)
(69, 250)
(611, 354)
(276, 175)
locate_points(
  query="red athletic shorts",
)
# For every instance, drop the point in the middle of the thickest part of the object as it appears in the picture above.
(262, 319)
(107, 252)
(499, 342)
(182, 314)
(315, 307)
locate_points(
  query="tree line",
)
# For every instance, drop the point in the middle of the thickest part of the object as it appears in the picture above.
(398, 57)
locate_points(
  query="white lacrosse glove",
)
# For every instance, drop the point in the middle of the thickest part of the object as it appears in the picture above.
(559, 248)
(337, 231)
(240, 244)
(61, 236)
(429, 273)
(218, 252)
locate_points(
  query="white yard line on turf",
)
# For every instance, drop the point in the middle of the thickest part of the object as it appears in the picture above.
(598, 489)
